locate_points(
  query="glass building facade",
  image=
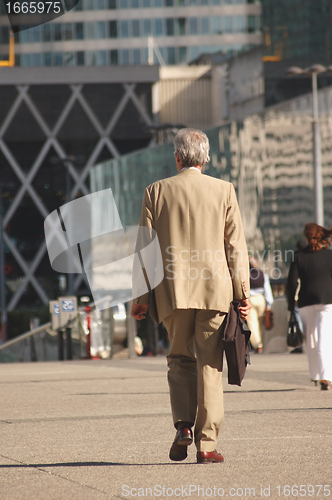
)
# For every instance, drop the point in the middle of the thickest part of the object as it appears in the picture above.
(115, 32)
(298, 29)
(269, 160)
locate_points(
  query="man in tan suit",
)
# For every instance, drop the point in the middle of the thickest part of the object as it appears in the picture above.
(198, 223)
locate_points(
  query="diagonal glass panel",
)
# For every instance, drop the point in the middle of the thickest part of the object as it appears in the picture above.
(9, 181)
(103, 100)
(8, 94)
(26, 229)
(130, 132)
(24, 137)
(78, 136)
(50, 100)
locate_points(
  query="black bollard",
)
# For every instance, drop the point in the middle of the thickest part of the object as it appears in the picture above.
(68, 342)
(60, 346)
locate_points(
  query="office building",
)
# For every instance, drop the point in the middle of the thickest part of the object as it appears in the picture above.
(116, 32)
(296, 33)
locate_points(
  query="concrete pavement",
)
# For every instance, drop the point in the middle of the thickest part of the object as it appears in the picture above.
(90, 430)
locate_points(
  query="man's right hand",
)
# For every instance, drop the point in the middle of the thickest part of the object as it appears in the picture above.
(244, 308)
(138, 311)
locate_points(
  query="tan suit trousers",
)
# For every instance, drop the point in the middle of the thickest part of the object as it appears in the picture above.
(195, 372)
(256, 320)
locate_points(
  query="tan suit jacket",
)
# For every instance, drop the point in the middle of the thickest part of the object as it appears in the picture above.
(199, 227)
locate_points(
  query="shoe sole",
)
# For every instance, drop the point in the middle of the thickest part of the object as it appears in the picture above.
(210, 461)
(179, 452)
(185, 441)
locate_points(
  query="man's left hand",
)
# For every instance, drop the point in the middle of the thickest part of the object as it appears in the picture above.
(138, 311)
(244, 308)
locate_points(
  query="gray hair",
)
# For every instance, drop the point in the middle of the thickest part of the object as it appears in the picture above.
(192, 146)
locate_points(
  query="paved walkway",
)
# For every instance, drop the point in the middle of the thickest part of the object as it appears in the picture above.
(102, 429)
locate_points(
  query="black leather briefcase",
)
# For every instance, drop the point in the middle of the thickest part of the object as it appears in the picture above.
(236, 345)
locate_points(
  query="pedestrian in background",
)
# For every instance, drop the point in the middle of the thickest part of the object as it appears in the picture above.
(261, 299)
(312, 265)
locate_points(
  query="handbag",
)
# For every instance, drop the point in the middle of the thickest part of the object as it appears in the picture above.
(294, 333)
(236, 345)
(268, 319)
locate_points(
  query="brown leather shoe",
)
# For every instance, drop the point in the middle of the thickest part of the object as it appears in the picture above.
(324, 385)
(183, 438)
(209, 457)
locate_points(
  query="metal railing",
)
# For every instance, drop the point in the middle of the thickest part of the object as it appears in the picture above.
(108, 332)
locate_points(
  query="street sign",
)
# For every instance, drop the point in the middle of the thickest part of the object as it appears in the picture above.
(67, 309)
(55, 314)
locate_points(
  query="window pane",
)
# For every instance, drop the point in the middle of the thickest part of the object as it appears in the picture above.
(182, 54)
(170, 55)
(80, 58)
(100, 4)
(124, 32)
(47, 32)
(144, 56)
(193, 26)
(136, 56)
(68, 31)
(228, 24)
(101, 58)
(124, 56)
(135, 4)
(169, 3)
(114, 57)
(158, 27)
(112, 4)
(135, 26)
(25, 60)
(47, 58)
(146, 27)
(79, 31)
(239, 24)
(181, 26)
(101, 29)
(58, 59)
(251, 24)
(113, 29)
(193, 53)
(169, 27)
(122, 4)
(90, 30)
(69, 59)
(205, 25)
(204, 2)
(57, 31)
(36, 59)
(216, 2)
(91, 58)
(158, 3)
(146, 3)
(216, 25)
(35, 34)
(258, 23)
